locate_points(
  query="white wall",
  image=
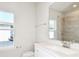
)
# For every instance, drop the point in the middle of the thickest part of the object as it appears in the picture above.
(42, 21)
(24, 23)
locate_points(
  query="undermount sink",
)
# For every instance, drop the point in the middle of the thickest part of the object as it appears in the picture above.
(59, 50)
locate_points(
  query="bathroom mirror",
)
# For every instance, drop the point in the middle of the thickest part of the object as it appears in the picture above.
(64, 21)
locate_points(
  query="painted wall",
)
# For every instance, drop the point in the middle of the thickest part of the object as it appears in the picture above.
(24, 23)
(42, 21)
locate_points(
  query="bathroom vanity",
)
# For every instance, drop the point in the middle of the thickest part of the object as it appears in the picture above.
(54, 50)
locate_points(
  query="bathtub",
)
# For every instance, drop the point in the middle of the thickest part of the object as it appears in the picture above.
(10, 52)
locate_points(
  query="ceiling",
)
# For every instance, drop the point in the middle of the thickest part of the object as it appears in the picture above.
(64, 6)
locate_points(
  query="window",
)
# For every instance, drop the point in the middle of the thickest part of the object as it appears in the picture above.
(6, 28)
(52, 28)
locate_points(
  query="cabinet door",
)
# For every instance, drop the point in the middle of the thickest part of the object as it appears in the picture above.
(42, 52)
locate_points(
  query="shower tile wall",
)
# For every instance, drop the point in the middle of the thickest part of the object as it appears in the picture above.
(71, 26)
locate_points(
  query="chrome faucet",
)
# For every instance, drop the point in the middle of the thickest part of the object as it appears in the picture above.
(66, 44)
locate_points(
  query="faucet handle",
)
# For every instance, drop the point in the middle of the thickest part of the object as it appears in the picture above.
(66, 44)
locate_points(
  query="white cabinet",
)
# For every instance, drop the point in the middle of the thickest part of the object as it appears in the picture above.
(41, 51)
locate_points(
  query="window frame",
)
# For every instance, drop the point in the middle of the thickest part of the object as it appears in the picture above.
(54, 29)
(11, 24)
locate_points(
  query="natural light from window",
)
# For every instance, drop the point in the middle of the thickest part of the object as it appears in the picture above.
(52, 28)
(6, 28)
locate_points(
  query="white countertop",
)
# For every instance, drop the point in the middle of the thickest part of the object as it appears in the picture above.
(59, 50)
